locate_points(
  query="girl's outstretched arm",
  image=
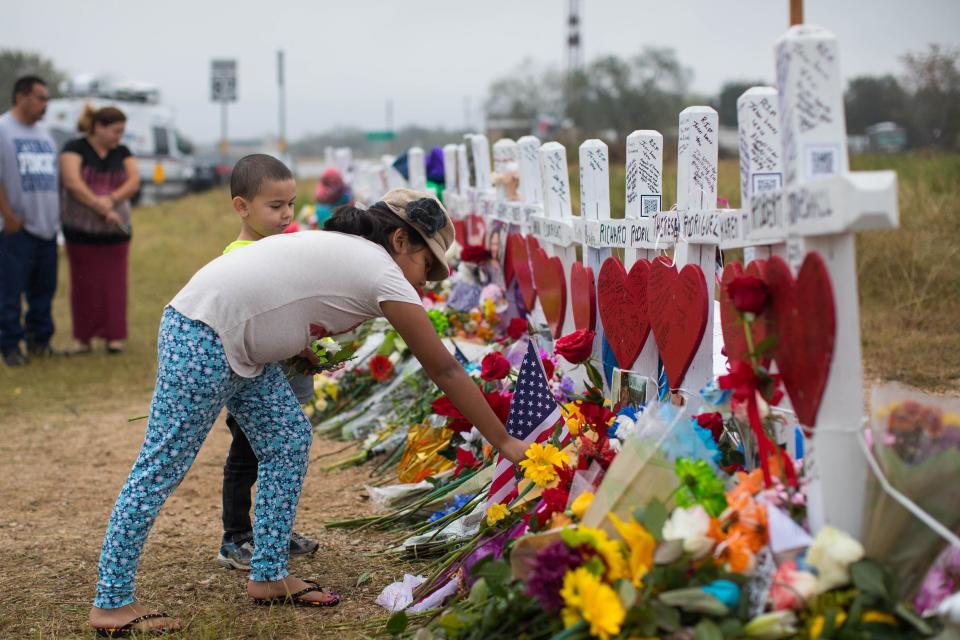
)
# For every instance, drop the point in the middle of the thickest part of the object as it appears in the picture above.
(414, 326)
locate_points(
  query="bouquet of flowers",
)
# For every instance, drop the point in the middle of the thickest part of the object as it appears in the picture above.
(916, 443)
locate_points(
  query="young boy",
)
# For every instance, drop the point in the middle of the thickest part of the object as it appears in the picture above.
(263, 192)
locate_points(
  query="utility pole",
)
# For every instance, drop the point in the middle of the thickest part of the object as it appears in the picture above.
(796, 12)
(389, 124)
(282, 105)
(574, 42)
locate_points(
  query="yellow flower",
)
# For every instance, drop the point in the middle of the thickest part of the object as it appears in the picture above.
(490, 311)
(641, 545)
(540, 466)
(612, 551)
(332, 390)
(573, 418)
(816, 627)
(879, 616)
(593, 601)
(581, 504)
(496, 513)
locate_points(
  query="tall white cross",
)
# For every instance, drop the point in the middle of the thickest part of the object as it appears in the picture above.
(416, 169)
(554, 229)
(824, 204)
(594, 206)
(697, 154)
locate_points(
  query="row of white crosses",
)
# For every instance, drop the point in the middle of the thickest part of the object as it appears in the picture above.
(797, 194)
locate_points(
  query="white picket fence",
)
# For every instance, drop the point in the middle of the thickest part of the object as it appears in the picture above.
(798, 196)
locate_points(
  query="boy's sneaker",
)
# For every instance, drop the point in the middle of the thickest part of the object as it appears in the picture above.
(15, 358)
(236, 553)
(302, 545)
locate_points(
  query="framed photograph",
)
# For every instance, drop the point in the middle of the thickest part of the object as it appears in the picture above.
(630, 389)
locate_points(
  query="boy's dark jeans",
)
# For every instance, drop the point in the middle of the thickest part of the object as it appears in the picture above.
(239, 476)
(28, 266)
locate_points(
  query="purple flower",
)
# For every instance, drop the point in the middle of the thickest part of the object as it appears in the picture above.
(546, 578)
(942, 580)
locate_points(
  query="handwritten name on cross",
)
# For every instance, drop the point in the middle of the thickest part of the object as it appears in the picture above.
(823, 204)
(554, 229)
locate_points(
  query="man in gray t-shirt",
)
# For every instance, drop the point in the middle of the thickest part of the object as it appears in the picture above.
(29, 219)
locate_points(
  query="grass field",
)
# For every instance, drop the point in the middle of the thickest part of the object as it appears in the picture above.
(65, 444)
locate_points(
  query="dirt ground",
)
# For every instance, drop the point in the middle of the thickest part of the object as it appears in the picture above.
(59, 476)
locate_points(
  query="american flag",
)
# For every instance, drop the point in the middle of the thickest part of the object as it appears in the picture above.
(533, 413)
(459, 355)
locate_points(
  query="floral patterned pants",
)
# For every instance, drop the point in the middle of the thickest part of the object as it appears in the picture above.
(194, 382)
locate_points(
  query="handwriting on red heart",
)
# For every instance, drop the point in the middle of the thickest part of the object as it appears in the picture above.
(805, 321)
(677, 304)
(583, 297)
(551, 289)
(734, 337)
(520, 262)
(623, 308)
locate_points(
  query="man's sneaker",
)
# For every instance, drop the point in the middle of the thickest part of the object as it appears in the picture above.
(236, 554)
(41, 350)
(15, 358)
(302, 545)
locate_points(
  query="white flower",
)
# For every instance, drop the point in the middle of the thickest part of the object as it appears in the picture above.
(831, 554)
(625, 427)
(690, 526)
(332, 346)
(949, 611)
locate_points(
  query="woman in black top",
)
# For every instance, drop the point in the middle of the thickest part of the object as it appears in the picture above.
(99, 175)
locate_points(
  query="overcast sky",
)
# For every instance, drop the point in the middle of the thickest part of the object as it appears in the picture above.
(345, 58)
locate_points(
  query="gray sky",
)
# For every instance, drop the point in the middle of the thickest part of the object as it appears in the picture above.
(345, 58)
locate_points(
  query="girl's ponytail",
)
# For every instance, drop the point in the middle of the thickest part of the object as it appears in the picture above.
(374, 224)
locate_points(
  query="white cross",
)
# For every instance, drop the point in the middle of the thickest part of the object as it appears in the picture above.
(594, 206)
(416, 169)
(823, 204)
(697, 151)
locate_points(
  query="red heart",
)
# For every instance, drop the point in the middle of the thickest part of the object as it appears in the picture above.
(623, 308)
(551, 288)
(520, 260)
(734, 338)
(583, 297)
(677, 304)
(805, 320)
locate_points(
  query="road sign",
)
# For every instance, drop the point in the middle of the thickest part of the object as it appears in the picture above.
(380, 135)
(223, 80)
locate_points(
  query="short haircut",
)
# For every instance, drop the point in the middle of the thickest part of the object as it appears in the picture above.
(250, 172)
(24, 85)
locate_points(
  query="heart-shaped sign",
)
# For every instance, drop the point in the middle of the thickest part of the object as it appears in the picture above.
(520, 261)
(677, 304)
(734, 337)
(623, 308)
(805, 321)
(583, 297)
(551, 288)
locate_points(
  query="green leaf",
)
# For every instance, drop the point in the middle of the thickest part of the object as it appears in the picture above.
(707, 630)
(497, 573)
(363, 577)
(397, 623)
(627, 592)
(453, 622)
(479, 592)
(869, 578)
(911, 618)
(767, 344)
(666, 616)
(731, 628)
(595, 378)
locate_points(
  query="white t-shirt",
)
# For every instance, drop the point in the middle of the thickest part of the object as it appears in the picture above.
(270, 300)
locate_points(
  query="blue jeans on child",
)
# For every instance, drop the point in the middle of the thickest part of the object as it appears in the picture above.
(28, 268)
(194, 382)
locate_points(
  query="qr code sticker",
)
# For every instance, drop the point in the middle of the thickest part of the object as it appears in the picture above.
(822, 161)
(649, 206)
(764, 182)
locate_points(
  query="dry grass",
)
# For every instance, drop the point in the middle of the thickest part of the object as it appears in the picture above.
(66, 446)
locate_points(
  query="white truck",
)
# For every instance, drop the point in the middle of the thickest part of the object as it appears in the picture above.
(163, 155)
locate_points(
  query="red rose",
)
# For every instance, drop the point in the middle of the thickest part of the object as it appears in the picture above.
(713, 422)
(548, 367)
(494, 367)
(474, 253)
(500, 403)
(575, 347)
(517, 328)
(748, 294)
(381, 368)
(442, 406)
